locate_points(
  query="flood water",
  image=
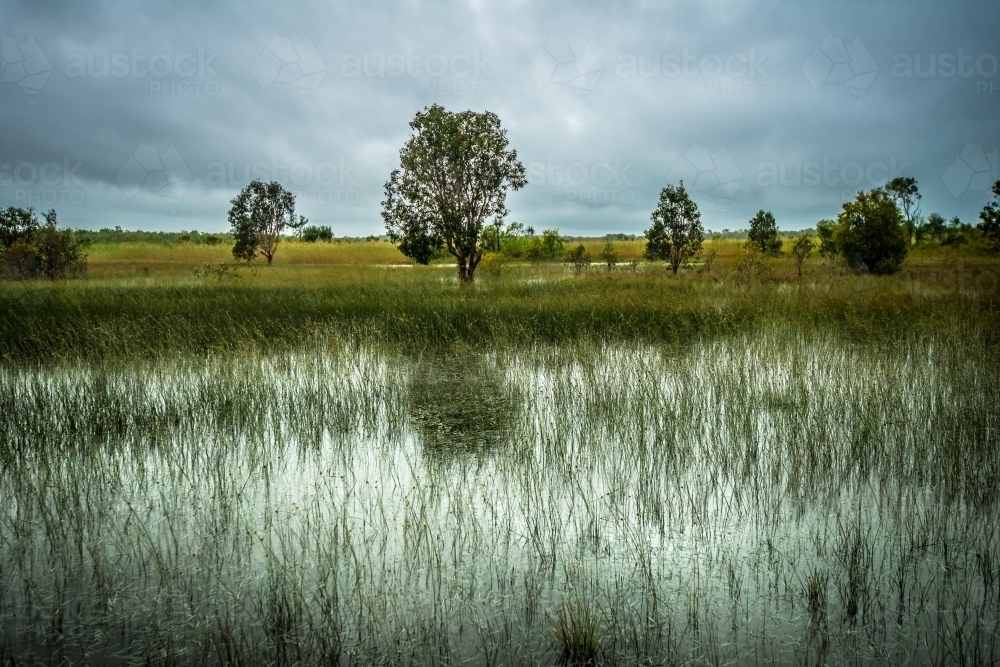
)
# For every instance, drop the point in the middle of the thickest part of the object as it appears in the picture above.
(779, 498)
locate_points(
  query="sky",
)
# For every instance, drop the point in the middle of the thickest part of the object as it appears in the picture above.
(153, 115)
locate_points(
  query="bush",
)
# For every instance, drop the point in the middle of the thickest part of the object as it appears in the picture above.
(312, 234)
(579, 258)
(17, 223)
(60, 251)
(493, 263)
(827, 246)
(609, 256)
(31, 249)
(870, 233)
(20, 260)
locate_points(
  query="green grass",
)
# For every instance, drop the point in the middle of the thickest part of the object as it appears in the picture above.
(269, 308)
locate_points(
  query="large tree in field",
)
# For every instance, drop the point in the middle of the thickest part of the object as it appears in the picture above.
(454, 174)
(903, 189)
(870, 232)
(258, 217)
(989, 218)
(675, 234)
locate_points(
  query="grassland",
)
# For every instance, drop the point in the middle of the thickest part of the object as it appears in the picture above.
(337, 461)
(141, 299)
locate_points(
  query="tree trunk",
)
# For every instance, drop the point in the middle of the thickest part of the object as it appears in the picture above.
(465, 272)
(269, 258)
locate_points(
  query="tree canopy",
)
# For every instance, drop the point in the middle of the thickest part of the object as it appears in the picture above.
(764, 233)
(870, 232)
(455, 171)
(675, 234)
(259, 215)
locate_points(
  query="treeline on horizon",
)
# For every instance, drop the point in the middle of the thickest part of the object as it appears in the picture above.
(119, 235)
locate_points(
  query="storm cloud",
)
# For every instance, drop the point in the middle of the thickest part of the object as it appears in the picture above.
(153, 116)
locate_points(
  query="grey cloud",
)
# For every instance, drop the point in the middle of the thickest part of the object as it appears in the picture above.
(154, 116)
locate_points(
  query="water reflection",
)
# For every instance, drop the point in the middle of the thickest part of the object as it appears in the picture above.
(776, 496)
(460, 407)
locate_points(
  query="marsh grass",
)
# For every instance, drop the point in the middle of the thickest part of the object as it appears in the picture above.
(424, 308)
(782, 495)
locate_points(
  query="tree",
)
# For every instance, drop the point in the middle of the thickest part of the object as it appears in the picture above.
(454, 174)
(903, 190)
(870, 232)
(60, 251)
(935, 226)
(259, 215)
(609, 256)
(675, 234)
(825, 230)
(764, 233)
(32, 248)
(989, 218)
(579, 258)
(801, 250)
(547, 246)
(312, 234)
(17, 223)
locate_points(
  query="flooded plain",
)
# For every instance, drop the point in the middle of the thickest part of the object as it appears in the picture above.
(776, 498)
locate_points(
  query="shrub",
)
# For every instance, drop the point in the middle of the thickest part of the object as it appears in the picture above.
(579, 258)
(870, 233)
(493, 263)
(312, 234)
(609, 256)
(20, 260)
(801, 249)
(32, 249)
(60, 251)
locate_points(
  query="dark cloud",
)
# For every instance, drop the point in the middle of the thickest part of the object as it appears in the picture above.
(151, 115)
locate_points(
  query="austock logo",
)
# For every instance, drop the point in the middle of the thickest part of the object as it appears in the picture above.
(558, 61)
(973, 170)
(24, 64)
(712, 172)
(833, 62)
(149, 170)
(283, 61)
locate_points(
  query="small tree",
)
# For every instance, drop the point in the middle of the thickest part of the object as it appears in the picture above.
(258, 217)
(935, 226)
(870, 232)
(801, 250)
(824, 231)
(17, 223)
(609, 256)
(675, 234)
(764, 233)
(454, 174)
(579, 258)
(60, 251)
(40, 248)
(903, 190)
(312, 234)
(989, 219)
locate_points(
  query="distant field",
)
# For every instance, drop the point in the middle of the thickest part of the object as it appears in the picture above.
(143, 259)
